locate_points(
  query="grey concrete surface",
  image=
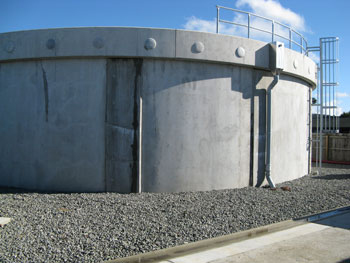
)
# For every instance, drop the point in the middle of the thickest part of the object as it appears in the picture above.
(197, 122)
(196, 126)
(71, 111)
(52, 124)
(129, 42)
(122, 117)
(328, 245)
(327, 240)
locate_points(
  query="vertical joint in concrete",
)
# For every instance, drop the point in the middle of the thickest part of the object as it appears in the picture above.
(135, 146)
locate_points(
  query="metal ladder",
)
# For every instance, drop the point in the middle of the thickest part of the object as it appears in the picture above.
(327, 120)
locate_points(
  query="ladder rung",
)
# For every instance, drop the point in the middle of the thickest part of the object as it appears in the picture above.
(330, 84)
(330, 61)
(330, 107)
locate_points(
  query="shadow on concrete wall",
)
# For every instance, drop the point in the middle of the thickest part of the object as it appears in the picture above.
(260, 94)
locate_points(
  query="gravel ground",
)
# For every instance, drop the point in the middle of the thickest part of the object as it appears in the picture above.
(95, 227)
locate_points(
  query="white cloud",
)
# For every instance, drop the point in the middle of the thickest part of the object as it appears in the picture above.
(268, 8)
(315, 57)
(342, 94)
(339, 111)
(197, 24)
(274, 10)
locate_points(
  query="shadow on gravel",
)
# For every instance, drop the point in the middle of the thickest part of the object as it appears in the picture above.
(333, 177)
(12, 190)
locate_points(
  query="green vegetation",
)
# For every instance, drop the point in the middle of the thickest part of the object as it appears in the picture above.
(345, 115)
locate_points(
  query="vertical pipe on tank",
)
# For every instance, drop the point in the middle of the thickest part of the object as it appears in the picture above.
(139, 179)
(268, 131)
(276, 65)
(309, 139)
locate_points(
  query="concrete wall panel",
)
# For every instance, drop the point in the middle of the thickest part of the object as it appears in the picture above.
(122, 122)
(289, 129)
(52, 133)
(195, 129)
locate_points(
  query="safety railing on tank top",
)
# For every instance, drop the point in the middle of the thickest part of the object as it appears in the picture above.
(298, 42)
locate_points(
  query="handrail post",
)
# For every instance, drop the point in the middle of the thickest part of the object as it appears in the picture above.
(290, 38)
(301, 44)
(306, 45)
(248, 25)
(217, 19)
(273, 30)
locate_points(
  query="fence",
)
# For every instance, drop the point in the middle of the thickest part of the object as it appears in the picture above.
(335, 147)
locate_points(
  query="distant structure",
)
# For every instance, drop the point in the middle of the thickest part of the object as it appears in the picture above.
(344, 124)
(155, 110)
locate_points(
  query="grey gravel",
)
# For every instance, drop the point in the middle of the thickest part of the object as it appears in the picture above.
(92, 227)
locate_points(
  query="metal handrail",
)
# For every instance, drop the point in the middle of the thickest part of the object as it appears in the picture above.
(302, 44)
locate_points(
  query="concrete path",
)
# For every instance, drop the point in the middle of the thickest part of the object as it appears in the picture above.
(325, 239)
(311, 242)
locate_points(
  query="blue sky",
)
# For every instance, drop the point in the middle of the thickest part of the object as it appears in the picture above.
(313, 18)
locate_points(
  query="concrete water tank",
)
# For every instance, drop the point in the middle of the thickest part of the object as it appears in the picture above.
(157, 110)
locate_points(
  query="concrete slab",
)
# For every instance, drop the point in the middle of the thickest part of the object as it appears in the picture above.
(323, 244)
(324, 240)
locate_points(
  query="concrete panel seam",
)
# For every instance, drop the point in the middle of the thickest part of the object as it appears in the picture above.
(46, 93)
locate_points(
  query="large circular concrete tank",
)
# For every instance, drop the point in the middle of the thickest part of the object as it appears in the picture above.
(118, 109)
